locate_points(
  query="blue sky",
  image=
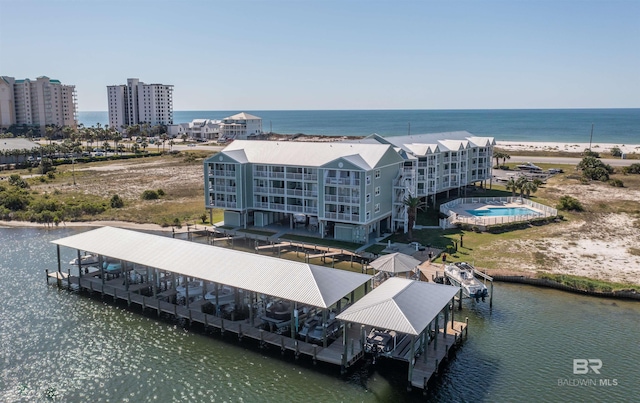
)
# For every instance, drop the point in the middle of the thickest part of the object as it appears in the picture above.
(268, 55)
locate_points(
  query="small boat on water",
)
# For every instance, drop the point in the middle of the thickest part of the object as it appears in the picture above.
(461, 275)
(85, 260)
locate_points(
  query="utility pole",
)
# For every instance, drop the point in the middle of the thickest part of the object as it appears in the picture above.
(591, 137)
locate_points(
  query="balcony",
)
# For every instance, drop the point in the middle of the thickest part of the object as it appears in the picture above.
(310, 177)
(294, 192)
(291, 175)
(342, 216)
(268, 190)
(217, 173)
(341, 199)
(331, 180)
(224, 204)
(227, 189)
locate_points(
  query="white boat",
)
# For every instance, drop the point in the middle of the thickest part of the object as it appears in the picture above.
(194, 289)
(225, 295)
(85, 260)
(461, 275)
(528, 166)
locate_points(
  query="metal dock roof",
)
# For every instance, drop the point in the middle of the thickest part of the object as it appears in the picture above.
(402, 305)
(305, 283)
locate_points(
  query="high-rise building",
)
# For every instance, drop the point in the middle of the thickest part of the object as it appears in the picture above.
(37, 103)
(139, 103)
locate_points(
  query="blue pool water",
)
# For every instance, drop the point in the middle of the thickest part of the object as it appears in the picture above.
(502, 211)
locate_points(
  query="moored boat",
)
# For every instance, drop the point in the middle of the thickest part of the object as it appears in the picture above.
(225, 295)
(461, 275)
(85, 260)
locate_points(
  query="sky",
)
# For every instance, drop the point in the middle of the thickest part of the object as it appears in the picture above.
(308, 55)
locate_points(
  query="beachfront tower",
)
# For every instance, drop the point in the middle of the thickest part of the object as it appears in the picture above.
(139, 103)
(37, 103)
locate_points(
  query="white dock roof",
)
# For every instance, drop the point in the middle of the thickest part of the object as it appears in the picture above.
(395, 263)
(305, 283)
(406, 306)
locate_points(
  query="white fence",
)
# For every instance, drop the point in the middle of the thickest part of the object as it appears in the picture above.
(456, 217)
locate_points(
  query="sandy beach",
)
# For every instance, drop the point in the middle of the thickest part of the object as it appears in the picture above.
(568, 147)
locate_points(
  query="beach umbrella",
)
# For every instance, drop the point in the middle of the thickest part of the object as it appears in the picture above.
(395, 263)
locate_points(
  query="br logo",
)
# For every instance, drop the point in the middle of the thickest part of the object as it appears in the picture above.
(583, 366)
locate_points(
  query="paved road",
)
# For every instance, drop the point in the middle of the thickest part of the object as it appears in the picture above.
(568, 160)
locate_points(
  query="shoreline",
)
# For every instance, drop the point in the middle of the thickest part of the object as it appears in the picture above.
(547, 146)
(499, 275)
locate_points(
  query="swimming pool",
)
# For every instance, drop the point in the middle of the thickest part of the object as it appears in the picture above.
(502, 211)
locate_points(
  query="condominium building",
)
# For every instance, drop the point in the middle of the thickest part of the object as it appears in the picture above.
(37, 103)
(139, 103)
(339, 190)
(435, 163)
(348, 190)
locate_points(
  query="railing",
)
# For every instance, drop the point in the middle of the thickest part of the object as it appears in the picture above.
(271, 190)
(542, 211)
(294, 192)
(228, 189)
(291, 175)
(342, 216)
(310, 193)
(218, 203)
(269, 206)
(310, 177)
(330, 180)
(219, 173)
(342, 199)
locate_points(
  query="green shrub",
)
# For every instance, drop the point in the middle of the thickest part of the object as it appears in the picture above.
(116, 201)
(150, 195)
(569, 203)
(51, 175)
(17, 181)
(616, 152)
(160, 192)
(616, 183)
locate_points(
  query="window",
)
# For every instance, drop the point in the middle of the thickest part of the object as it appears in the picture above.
(368, 215)
(377, 190)
(377, 173)
(368, 198)
(368, 180)
(377, 209)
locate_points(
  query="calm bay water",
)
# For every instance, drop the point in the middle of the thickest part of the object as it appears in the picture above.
(61, 346)
(565, 125)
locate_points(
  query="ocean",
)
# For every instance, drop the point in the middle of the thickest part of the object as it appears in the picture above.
(620, 126)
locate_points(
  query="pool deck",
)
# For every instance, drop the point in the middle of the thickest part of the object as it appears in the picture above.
(461, 215)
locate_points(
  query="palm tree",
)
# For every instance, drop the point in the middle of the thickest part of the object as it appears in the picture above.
(505, 157)
(512, 186)
(497, 156)
(520, 184)
(412, 204)
(529, 187)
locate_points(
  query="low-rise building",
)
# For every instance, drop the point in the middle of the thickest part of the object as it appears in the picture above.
(345, 190)
(339, 190)
(197, 129)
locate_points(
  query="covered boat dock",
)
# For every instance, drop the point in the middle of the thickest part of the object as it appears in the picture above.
(415, 309)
